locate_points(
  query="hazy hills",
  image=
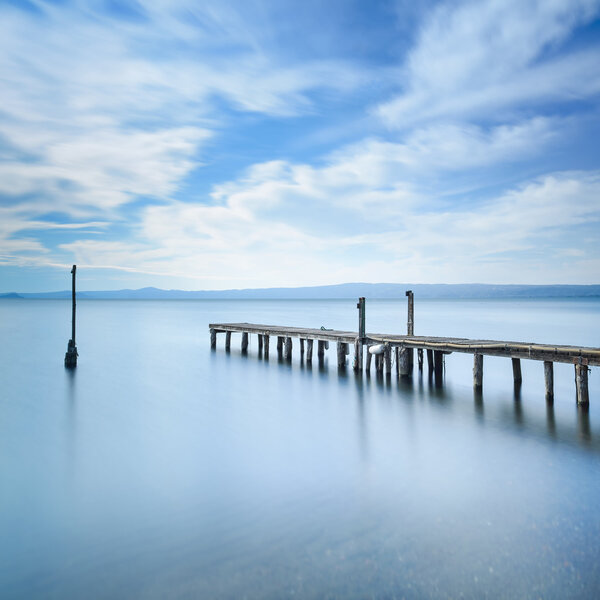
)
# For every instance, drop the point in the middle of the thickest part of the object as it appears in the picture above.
(345, 290)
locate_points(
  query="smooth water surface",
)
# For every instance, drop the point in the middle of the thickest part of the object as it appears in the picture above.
(159, 468)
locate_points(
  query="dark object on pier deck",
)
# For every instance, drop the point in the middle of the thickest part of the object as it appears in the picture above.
(71, 355)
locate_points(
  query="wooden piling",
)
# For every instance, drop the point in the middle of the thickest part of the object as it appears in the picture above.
(387, 357)
(581, 384)
(301, 347)
(320, 349)
(516, 367)
(287, 352)
(279, 345)
(368, 361)
(361, 318)
(478, 371)
(549, 379)
(438, 366)
(420, 359)
(410, 325)
(379, 363)
(341, 354)
(309, 350)
(430, 365)
(213, 339)
(358, 354)
(266, 339)
(71, 354)
(245, 341)
(227, 341)
(404, 362)
(260, 343)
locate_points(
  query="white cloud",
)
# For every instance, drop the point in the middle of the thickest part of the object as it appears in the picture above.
(474, 59)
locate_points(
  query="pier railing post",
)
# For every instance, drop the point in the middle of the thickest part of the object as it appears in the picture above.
(71, 354)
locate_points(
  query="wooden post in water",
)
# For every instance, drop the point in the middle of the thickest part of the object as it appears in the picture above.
(358, 354)
(430, 361)
(320, 349)
(279, 345)
(266, 339)
(71, 354)
(309, 350)
(368, 362)
(516, 366)
(478, 371)
(410, 330)
(341, 354)
(213, 339)
(227, 341)
(245, 341)
(301, 347)
(438, 359)
(549, 379)
(420, 359)
(387, 357)
(581, 384)
(260, 343)
(287, 352)
(404, 365)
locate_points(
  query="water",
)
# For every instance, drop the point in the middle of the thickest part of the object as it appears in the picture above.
(161, 469)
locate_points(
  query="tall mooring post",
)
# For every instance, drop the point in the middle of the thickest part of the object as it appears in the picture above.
(360, 340)
(71, 355)
(406, 359)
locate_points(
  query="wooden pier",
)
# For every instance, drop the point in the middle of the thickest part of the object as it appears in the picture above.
(380, 347)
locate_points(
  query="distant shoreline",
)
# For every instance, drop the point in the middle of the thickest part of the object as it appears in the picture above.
(380, 291)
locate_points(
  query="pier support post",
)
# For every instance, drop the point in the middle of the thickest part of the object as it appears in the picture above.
(227, 341)
(309, 350)
(387, 357)
(358, 354)
(321, 349)
(549, 380)
(260, 343)
(430, 361)
(438, 359)
(301, 347)
(71, 354)
(478, 371)
(245, 341)
(581, 384)
(287, 351)
(279, 345)
(420, 359)
(516, 367)
(404, 365)
(213, 339)
(266, 340)
(379, 363)
(341, 354)
(368, 361)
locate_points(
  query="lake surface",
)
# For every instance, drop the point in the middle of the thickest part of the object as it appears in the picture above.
(162, 469)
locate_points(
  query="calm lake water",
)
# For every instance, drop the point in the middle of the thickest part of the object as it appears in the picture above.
(162, 469)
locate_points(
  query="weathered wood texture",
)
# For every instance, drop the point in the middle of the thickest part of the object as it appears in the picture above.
(228, 341)
(309, 350)
(531, 351)
(478, 371)
(516, 367)
(213, 338)
(266, 340)
(245, 341)
(581, 384)
(549, 379)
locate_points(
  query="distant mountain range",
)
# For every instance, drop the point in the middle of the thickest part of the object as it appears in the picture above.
(344, 290)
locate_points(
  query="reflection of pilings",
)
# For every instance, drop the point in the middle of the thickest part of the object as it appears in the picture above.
(583, 422)
(550, 422)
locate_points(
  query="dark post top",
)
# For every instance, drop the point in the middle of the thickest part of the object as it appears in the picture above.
(73, 270)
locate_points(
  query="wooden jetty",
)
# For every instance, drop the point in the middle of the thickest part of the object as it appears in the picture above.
(403, 346)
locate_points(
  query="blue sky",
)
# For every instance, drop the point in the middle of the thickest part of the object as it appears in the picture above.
(210, 145)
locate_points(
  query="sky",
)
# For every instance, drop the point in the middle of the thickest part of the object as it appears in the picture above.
(212, 145)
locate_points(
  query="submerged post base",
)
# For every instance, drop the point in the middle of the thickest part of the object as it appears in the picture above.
(71, 355)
